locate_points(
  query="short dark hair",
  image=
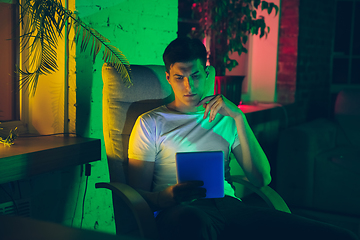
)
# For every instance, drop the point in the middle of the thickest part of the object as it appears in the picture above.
(184, 49)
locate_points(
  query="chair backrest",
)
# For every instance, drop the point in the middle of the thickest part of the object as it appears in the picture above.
(122, 105)
(347, 114)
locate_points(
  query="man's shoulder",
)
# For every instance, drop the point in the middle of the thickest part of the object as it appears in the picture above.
(154, 113)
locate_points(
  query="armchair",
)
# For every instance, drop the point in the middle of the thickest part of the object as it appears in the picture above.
(121, 107)
(318, 164)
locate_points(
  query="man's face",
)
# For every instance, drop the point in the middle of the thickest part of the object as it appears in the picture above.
(188, 81)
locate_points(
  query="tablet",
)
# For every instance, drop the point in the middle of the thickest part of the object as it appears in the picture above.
(205, 166)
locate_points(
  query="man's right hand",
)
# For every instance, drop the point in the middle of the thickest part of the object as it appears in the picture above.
(141, 176)
(181, 192)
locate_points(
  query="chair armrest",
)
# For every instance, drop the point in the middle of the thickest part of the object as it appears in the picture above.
(272, 198)
(139, 207)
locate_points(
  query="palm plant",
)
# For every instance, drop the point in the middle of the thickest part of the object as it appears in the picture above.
(43, 22)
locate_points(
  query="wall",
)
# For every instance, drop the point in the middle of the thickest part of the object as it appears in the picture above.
(306, 33)
(141, 30)
(263, 60)
(288, 51)
(316, 32)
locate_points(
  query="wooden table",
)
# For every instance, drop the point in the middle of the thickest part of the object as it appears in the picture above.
(30, 156)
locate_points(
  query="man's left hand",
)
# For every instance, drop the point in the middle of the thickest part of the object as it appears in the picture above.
(219, 104)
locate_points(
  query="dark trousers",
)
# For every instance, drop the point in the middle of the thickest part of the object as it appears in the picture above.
(229, 218)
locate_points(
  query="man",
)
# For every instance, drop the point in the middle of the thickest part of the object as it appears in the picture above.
(199, 121)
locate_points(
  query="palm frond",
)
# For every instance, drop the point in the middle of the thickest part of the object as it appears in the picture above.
(43, 22)
(29, 80)
(9, 140)
(112, 55)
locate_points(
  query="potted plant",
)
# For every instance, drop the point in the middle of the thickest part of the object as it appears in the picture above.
(43, 22)
(228, 23)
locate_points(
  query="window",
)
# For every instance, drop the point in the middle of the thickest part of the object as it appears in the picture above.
(9, 108)
(346, 46)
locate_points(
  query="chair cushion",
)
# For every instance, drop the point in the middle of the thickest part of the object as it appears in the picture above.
(149, 82)
(122, 106)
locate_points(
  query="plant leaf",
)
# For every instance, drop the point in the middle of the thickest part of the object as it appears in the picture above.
(264, 5)
(9, 140)
(256, 3)
(254, 13)
(43, 22)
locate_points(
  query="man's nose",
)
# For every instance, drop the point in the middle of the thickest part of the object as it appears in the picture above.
(189, 83)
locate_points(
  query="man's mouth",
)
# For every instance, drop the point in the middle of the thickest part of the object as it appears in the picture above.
(190, 95)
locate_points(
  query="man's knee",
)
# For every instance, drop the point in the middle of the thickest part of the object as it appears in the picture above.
(186, 221)
(182, 216)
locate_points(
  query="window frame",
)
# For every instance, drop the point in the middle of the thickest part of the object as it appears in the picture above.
(337, 87)
(21, 103)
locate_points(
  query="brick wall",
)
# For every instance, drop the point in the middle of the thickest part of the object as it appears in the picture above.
(316, 23)
(288, 51)
(306, 32)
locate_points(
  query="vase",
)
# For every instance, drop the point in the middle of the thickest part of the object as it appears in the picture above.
(230, 87)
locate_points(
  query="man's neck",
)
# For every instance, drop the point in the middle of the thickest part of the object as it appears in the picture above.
(190, 109)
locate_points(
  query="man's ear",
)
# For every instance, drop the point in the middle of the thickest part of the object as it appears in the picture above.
(210, 72)
(210, 79)
(167, 76)
(207, 71)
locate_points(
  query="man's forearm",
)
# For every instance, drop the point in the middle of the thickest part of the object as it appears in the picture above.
(158, 200)
(254, 161)
(152, 198)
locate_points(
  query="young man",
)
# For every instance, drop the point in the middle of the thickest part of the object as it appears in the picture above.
(199, 121)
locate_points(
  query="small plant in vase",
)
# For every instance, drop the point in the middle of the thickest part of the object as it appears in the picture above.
(9, 140)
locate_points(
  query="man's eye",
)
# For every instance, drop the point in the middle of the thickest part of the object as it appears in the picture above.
(195, 76)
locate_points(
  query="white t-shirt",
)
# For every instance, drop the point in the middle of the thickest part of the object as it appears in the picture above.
(160, 133)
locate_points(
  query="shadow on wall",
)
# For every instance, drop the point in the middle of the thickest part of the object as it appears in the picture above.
(84, 85)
